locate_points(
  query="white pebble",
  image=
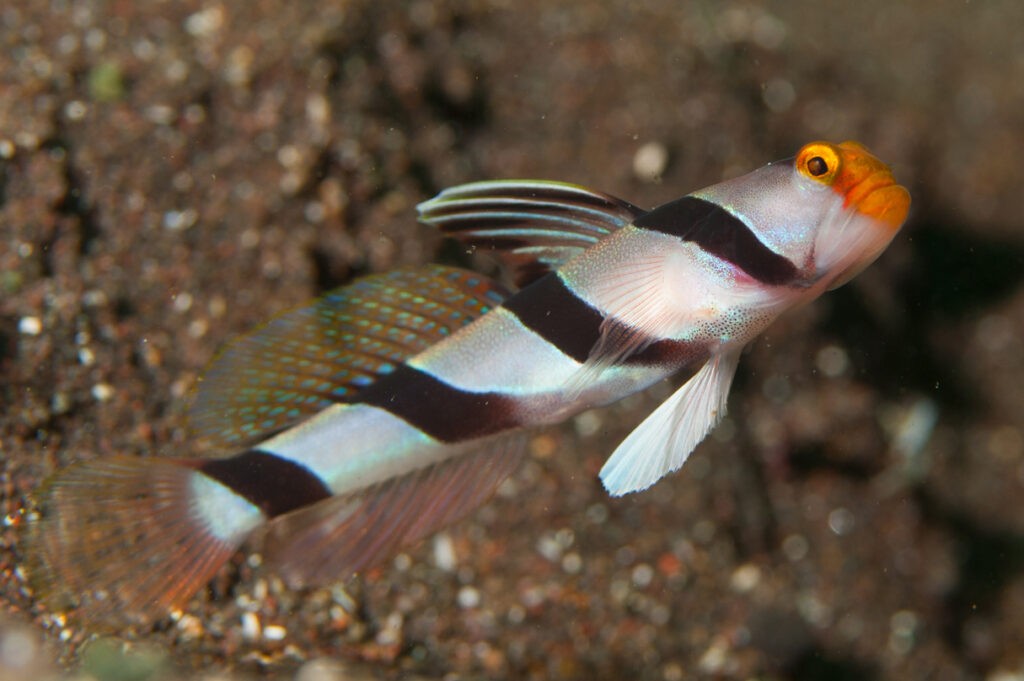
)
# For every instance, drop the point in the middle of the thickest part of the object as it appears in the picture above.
(180, 219)
(30, 326)
(444, 552)
(468, 597)
(650, 161)
(76, 110)
(289, 156)
(274, 632)
(642, 575)
(102, 391)
(205, 23)
(402, 562)
(549, 547)
(86, 357)
(714, 658)
(250, 626)
(745, 578)
(182, 302)
(391, 633)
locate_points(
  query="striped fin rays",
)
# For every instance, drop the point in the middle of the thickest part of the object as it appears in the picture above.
(531, 226)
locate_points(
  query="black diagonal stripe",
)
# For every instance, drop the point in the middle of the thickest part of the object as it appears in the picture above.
(556, 314)
(442, 411)
(722, 234)
(552, 311)
(271, 482)
(673, 354)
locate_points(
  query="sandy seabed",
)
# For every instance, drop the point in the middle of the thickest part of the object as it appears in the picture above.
(171, 174)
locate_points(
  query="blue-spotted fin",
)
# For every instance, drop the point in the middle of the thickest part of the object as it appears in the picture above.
(393, 406)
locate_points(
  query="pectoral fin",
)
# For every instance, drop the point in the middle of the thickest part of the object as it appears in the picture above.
(639, 302)
(662, 443)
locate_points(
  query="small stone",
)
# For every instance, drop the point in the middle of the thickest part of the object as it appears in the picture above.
(745, 578)
(642, 575)
(250, 626)
(444, 552)
(102, 391)
(30, 326)
(650, 161)
(274, 632)
(205, 23)
(572, 563)
(468, 597)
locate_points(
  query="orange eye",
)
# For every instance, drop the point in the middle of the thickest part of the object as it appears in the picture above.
(818, 161)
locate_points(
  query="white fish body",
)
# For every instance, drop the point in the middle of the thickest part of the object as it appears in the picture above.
(394, 406)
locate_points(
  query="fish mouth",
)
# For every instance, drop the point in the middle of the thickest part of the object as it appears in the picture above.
(871, 193)
(881, 198)
(873, 190)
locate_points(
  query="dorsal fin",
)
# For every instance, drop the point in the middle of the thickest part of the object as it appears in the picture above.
(326, 352)
(532, 226)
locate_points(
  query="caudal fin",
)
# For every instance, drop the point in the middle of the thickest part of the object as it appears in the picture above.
(131, 536)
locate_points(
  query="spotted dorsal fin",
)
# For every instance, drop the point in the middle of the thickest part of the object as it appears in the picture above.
(530, 226)
(326, 352)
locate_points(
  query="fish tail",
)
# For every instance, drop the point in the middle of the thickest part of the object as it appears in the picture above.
(132, 535)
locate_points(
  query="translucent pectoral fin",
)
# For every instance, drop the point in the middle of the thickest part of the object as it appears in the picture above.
(662, 443)
(637, 299)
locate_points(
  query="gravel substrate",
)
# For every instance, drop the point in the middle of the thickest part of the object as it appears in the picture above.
(172, 173)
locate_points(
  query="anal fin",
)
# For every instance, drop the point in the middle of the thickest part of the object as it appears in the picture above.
(340, 536)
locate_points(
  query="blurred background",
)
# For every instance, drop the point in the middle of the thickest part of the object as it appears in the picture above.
(172, 173)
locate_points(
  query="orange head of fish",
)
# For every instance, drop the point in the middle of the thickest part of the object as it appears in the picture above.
(865, 183)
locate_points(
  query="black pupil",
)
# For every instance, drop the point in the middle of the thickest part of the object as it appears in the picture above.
(817, 166)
